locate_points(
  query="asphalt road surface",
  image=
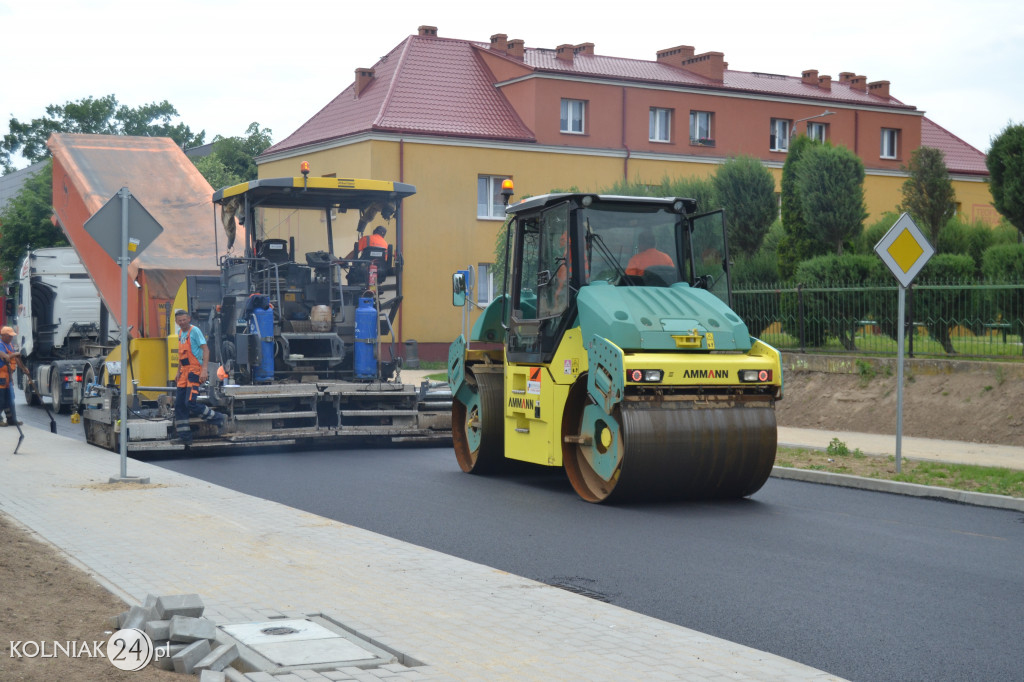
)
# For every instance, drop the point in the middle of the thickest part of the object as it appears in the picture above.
(864, 585)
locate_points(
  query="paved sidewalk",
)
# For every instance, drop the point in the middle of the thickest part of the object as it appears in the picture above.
(929, 449)
(252, 560)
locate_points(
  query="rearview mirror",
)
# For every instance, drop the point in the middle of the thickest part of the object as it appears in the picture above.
(459, 289)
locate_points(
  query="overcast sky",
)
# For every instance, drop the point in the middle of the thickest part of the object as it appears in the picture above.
(225, 63)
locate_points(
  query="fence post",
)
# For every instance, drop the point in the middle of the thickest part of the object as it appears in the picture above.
(910, 326)
(800, 313)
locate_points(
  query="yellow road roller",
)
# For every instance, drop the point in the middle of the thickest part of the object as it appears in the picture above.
(615, 354)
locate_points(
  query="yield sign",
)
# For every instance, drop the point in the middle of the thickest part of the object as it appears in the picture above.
(904, 250)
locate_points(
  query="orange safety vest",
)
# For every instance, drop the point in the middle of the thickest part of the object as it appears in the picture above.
(188, 363)
(6, 368)
(372, 240)
(639, 263)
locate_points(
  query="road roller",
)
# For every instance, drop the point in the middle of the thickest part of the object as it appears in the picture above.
(615, 354)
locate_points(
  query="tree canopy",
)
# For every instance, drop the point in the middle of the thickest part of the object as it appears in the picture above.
(746, 190)
(104, 116)
(928, 193)
(25, 221)
(831, 185)
(233, 159)
(797, 243)
(1005, 163)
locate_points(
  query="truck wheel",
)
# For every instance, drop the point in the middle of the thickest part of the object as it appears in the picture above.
(31, 396)
(58, 406)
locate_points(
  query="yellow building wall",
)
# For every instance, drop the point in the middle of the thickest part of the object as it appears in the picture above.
(442, 233)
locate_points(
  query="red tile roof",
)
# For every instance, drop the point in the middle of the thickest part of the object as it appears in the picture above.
(426, 85)
(960, 156)
(440, 86)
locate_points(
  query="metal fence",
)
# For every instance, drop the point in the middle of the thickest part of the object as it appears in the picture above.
(966, 319)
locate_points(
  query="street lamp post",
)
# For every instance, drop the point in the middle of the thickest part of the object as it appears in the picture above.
(801, 120)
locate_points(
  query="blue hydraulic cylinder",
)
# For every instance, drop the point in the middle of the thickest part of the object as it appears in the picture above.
(262, 325)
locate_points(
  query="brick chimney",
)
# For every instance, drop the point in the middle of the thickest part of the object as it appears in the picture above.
(565, 52)
(859, 83)
(825, 82)
(428, 31)
(674, 56)
(709, 64)
(879, 88)
(363, 79)
(499, 42)
(584, 48)
(845, 76)
(516, 48)
(809, 77)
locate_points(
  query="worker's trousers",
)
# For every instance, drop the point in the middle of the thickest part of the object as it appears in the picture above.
(186, 406)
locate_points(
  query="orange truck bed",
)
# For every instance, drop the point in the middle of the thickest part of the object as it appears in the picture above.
(88, 170)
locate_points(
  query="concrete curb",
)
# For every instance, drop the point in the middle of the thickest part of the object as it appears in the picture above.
(898, 488)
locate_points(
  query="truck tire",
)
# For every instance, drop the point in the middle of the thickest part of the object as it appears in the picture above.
(58, 406)
(31, 396)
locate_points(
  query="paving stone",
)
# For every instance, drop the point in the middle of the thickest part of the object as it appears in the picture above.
(260, 677)
(212, 676)
(186, 659)
(163, 650)
(179, 605)
(219, 658)
(188, 629)
(157, 629)
(234, 675)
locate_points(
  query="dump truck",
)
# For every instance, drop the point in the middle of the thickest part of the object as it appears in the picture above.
(63, 330)
(614, 354)
(302, 339)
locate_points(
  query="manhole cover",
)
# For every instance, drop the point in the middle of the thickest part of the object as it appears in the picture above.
(279, 630)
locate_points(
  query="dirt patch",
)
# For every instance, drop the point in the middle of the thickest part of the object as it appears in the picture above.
(45, 599)
(978, 407)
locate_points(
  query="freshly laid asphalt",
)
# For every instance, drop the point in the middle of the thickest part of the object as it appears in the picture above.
(440, 617)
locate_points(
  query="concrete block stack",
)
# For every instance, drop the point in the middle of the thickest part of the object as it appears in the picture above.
(183, 641)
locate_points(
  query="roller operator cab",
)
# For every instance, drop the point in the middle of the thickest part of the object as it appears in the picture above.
(616, 355)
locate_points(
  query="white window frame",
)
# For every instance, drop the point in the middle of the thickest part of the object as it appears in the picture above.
(660, 129)
(574, 117)
(484, 283)
(890, 143)
(778, 136)
(817, 131)
(489, 186)
(700, 122)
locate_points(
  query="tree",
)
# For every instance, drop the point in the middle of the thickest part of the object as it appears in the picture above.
(102, 116)
(830, 181)
(797, 243)
(746, 190)
(928, 193)
(233, 159)
(1005, 163)
(25, 220)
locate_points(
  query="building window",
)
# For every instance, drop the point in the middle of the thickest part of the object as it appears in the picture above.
(572, 116)
(661, 125)
(484, 283)
(778, 140)
(890, 143)
(817, 131)
(700, 129)
(489, 203)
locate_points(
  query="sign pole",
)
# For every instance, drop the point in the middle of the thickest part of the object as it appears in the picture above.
(899, 376)
(125, 196)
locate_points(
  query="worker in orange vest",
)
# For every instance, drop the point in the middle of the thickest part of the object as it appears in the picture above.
(647, 255)
(7, 367)
(193, 371)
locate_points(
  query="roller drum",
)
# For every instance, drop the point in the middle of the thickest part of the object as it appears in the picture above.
(679, 451)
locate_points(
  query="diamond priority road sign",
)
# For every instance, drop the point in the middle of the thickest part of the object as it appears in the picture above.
(904, 249)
